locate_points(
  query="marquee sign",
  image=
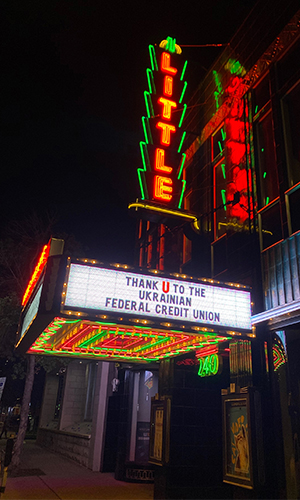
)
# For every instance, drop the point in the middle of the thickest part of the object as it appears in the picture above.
(156, 298)
(161, 176)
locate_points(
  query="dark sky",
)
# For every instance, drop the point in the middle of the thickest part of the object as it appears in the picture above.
(72, 80)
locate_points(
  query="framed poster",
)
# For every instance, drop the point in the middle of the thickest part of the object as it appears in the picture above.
(237, 446)
(159, 448)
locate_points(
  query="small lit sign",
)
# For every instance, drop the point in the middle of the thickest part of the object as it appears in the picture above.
(153, 297)
(161, 176)
(209, 365)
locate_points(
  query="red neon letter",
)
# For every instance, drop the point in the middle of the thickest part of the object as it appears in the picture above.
(165, 64)
(168, 85)
(165, 137)
(163, 188)
(160, 161)
(167, 107)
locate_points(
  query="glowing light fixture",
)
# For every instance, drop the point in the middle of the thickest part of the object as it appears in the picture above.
(36, 273)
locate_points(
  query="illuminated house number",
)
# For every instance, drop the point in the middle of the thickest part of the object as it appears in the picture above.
(209, 365)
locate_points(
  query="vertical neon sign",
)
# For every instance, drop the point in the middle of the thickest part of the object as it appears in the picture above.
(239, 177)
(161, 176)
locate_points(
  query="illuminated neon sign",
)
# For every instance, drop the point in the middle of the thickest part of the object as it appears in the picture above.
(209, 365)
(36, 273)
(161, 176)
(239, 179)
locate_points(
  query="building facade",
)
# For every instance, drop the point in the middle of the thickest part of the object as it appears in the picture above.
(242, 184)
(218, 416)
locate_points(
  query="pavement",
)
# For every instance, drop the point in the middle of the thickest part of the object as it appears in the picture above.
(56, 477)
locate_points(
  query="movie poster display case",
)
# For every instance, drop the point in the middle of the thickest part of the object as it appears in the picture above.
(243, 463)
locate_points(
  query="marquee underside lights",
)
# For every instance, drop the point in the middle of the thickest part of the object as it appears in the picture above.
(160, 177)
(110, 341)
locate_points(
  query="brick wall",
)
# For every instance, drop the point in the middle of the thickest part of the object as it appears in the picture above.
(76, 448)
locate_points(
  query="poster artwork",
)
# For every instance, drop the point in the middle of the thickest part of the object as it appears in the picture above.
(238, 461)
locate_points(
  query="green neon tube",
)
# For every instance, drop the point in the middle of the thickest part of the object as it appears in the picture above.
(154, 65)
(223, 170)
(139, 171)
(183, 92)
(92, 339)
(181, 142)
(148, 71)
(181, 197)
(183, 71)
(142, 144)
(171, 44)
(146, 94)
(223, 193)
(182, 115)
(151, 83)
(149, 106)
(181, 165)
(145, 129)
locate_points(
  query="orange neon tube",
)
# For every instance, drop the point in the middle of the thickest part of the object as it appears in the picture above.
(166, 129)
(166, 64)
(168, 85)
(163, 188)
(167, 107)
(160, 161)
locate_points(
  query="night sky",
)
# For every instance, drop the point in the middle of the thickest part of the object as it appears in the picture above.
(72, 80)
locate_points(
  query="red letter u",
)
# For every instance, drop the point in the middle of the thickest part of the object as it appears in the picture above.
(166, 286)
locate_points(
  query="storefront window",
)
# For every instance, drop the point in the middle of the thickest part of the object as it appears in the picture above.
(269, 189)
(291, 126)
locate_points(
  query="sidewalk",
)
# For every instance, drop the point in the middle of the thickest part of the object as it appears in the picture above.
(56, 477)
